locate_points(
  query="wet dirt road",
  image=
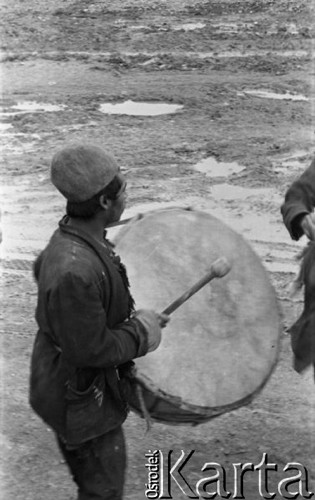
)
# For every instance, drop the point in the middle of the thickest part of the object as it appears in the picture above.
(240, 77)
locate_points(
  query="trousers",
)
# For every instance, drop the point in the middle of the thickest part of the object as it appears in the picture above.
(98, 466)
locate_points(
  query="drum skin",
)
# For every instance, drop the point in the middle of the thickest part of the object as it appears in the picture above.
(220, 346)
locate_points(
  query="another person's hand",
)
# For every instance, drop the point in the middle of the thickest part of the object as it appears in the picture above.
(152, 322)
(308, 225)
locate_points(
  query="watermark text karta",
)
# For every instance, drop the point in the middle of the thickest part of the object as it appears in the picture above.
(166, 473)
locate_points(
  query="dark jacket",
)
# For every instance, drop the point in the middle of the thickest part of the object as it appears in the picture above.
(303, 330)
(299, 201)
(85, 332)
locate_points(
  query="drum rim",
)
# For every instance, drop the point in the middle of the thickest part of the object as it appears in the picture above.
(200, 413)
(207, 412)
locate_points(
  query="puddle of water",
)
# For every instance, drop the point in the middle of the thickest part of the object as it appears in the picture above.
(139, 108)
(212, 168)
(38, 106)
(189, 26)
(266, 94)
(33, 107)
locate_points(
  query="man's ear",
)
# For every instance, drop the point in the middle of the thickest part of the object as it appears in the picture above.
(105, 203)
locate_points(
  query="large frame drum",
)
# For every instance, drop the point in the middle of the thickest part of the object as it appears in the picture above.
(220, 346)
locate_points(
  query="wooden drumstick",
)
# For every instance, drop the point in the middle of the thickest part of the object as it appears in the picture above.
(122, 222)
(218, 269)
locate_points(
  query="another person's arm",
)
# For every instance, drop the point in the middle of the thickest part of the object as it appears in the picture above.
(297, 209)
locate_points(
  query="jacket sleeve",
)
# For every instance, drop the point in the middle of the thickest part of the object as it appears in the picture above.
(36, 266)
(299, 201)
(78, 320)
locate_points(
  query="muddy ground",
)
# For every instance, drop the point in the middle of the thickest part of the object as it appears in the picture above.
(242, 72)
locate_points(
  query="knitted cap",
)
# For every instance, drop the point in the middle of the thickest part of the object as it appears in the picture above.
(80, 172)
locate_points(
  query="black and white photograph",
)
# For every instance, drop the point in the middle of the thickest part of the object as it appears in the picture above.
(157, 249)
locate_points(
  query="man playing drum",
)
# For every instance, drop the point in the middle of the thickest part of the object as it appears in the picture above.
(299, 218)
(87, 325)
